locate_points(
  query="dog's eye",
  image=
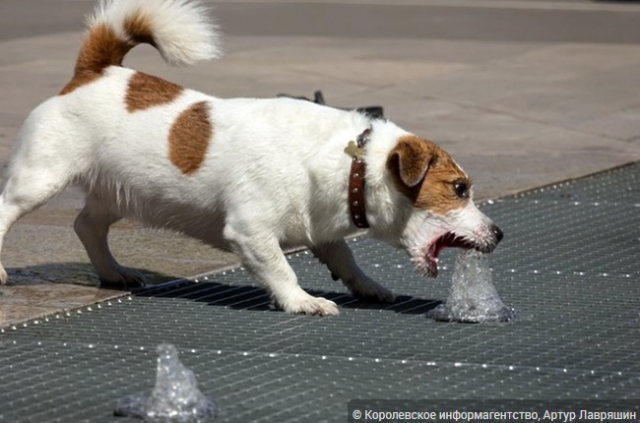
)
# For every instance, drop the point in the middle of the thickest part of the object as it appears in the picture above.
(461, 188)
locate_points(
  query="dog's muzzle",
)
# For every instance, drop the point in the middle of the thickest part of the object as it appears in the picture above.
(425, 259)
(491, 242)
(497, 236)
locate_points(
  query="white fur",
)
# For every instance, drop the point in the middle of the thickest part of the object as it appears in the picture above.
(275, 172)
(183, 32)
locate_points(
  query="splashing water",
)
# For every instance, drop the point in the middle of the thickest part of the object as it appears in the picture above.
(472, 298)
(175, 397)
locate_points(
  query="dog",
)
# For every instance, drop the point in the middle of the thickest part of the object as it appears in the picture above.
(252, 176)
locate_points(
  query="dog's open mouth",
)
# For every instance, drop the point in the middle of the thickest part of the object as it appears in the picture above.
(428, 262)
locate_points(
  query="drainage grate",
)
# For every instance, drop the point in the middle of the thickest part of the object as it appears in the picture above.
(569, 263)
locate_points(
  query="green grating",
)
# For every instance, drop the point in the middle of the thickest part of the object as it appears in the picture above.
(570, 264)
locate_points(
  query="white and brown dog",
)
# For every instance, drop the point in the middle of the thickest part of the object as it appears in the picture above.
(247, 175)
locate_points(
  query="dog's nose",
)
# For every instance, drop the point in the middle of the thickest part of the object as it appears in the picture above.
(497, 233)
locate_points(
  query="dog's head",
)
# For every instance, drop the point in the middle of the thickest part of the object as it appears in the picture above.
(442, 210)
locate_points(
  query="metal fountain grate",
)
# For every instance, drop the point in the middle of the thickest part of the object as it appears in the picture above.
(569, 263)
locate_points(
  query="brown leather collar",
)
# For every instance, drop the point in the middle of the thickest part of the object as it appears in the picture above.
(356, 180)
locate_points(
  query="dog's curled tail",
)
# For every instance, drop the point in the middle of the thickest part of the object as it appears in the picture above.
(180, 29)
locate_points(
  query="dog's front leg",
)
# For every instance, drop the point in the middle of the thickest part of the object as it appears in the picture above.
(339, 259)
(264, 258)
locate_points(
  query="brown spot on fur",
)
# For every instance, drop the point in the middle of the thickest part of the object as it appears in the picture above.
(138, 29)
(79, 80)
(102, 48)
(189, 138)
(146, 91)
(425, 174)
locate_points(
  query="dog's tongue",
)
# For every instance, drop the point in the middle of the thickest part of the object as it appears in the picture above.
(450, 240)
(447, 240)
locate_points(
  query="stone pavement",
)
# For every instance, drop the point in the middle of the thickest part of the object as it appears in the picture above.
(522, 93)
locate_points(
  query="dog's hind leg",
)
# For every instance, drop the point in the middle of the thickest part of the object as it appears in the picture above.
(92, 227)
(339, 259)
(30, 184)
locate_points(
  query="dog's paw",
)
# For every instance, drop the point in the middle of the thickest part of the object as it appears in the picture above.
(3, 276)
(371, 290)
(314, 306)
(123, 279)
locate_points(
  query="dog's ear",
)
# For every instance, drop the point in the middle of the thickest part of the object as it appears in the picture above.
(411, 158)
